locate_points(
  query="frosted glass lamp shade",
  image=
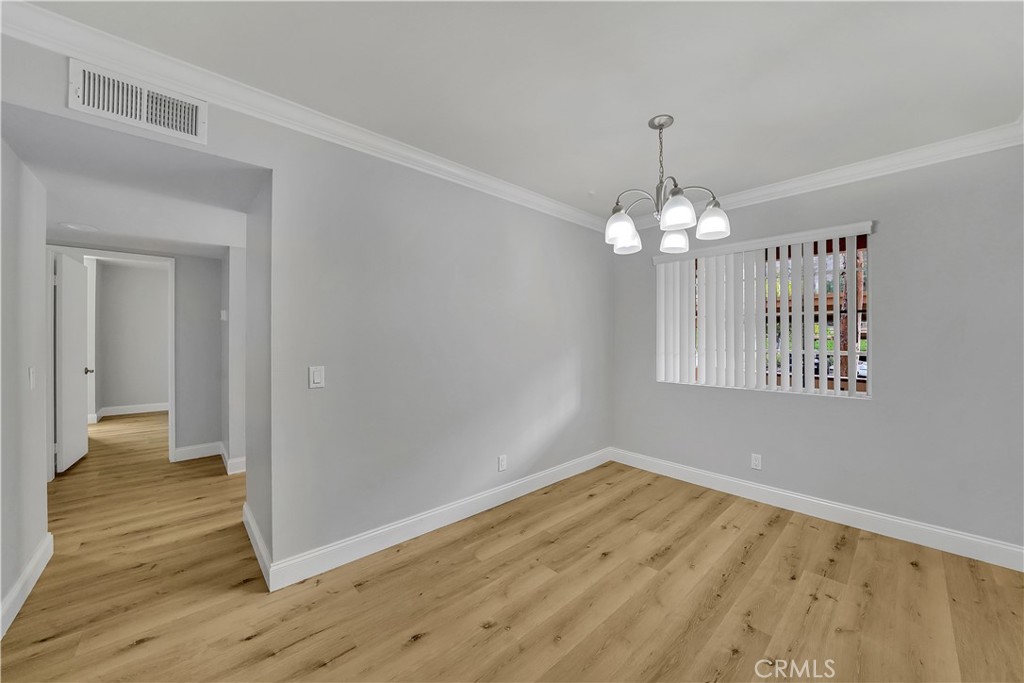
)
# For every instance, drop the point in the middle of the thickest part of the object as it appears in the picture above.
(629, 244)
(619, 226)
(713, 223)
(678, 213)
(675, 242)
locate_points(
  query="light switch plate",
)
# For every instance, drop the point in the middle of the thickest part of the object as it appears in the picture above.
(317, 379)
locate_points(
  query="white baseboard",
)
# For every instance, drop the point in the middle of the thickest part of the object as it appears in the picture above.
(256, 539)
(231, 465)
(131, 410)
(201, 450)
(93, 418)
(319, 560)
(16, 597)
(234, 465)
(941, 538)
(289, 570)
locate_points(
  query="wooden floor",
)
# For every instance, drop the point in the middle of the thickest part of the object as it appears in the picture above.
(613, 575)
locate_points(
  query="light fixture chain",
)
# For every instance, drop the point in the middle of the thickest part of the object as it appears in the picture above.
(661, 155)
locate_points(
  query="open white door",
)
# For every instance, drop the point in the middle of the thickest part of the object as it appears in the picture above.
(72, 406)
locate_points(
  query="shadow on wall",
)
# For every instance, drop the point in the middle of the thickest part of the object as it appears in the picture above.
(531, 422)
(546, 406)
(525, 426)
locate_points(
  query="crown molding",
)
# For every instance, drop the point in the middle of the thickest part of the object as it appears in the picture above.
(59, 34)
(50, 31)
(989, 140)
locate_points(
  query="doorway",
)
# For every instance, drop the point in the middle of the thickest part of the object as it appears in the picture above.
(133, 196)
(112, 328)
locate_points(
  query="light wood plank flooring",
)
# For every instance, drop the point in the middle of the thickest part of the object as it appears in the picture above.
(613, 575)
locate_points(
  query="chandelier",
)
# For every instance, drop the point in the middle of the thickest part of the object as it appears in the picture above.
(672, 209)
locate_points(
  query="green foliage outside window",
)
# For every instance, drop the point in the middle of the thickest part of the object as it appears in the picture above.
(829, 342)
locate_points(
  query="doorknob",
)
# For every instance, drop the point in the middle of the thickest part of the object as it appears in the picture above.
(88, 371)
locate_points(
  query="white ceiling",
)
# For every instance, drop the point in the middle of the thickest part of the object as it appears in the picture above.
(555, 97)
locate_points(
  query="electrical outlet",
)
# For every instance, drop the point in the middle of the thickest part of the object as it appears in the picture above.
(755, 461)
(502, 462)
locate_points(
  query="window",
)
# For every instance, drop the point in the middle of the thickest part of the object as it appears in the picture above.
(787, 314)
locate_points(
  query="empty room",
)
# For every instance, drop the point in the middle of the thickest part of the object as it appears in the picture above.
(512, 341)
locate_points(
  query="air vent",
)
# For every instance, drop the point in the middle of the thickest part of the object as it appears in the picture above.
(119, 98)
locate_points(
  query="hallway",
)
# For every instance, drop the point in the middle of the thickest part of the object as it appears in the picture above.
(139, 542)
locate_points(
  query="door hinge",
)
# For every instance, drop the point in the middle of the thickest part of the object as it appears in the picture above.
(55, 279)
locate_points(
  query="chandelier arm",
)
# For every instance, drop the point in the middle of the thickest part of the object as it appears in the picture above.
(637, 201)
(665, 189)
(700, 187)
(646, 194)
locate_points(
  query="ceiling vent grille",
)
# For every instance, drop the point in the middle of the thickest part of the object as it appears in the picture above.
(119, 98)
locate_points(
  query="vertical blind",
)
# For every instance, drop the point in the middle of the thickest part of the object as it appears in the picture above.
(788, 314)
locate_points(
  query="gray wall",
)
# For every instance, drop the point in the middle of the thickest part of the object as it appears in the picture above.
(131, 335)
(940, 440)
(197, 350)
(225, 408)
(23, 440)
(454, 326)
(257, 365)
(233, 342)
